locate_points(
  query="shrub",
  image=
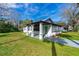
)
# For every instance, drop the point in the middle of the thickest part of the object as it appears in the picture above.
(7, 27)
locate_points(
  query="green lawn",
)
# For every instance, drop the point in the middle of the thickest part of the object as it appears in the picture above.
(17, 44)
(71, 35)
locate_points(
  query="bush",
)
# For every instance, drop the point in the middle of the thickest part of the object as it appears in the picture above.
(7, 27)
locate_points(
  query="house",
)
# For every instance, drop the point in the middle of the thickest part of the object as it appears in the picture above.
(42, 29)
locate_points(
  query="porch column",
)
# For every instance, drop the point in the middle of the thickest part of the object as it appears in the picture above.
(57, 28)
(40, 31)
(32, 30)
(27, 30)
(51, 29)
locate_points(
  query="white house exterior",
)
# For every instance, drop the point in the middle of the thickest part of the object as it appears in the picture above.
(42, 29)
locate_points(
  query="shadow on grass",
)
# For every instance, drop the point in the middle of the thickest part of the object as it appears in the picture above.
(3, 35)
(53, 48)
(46, 40)
(57, 40)
(11, 41)
(75, 42)
(65, 36)
(54, 40)
(69, 37)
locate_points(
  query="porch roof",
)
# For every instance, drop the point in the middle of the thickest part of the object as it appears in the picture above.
(46, 22)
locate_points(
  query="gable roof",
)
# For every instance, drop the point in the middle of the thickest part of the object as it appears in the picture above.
(47, 21)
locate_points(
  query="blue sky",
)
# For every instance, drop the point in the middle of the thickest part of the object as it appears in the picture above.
(38, 11)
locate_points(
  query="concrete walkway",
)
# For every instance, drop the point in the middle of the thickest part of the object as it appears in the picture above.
(64, 41)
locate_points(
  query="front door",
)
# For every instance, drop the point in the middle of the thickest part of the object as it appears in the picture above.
(46, 28)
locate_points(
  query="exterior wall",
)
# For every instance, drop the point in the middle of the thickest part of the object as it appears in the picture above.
(57, 29)
(61, 28)
(29, 30)
(49, 32)
(53, 30)
(25, 29)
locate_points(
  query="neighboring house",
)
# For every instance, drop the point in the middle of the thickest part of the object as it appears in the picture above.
(42, 29)
(70, 28)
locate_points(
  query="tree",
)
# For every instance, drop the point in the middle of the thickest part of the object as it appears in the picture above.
(7, 27)
(23, 23)
(11, 15)
(71, 15)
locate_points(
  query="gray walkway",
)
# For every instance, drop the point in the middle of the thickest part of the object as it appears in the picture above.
(67, 42)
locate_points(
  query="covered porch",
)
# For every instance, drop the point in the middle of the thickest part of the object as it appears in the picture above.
(41, 29)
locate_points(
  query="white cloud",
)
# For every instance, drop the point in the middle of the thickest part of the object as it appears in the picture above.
(10, 5)
(26, 5)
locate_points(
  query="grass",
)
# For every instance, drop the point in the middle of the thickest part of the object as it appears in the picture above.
(70, 35)
(17, 44)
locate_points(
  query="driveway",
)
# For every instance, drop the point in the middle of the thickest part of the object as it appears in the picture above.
(64, 41)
